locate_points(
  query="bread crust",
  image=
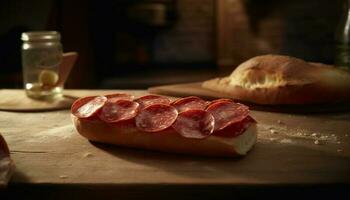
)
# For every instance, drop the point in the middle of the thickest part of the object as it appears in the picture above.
(167, 141)
(275, 79)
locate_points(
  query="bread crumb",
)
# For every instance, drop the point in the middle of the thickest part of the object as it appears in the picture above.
(333, 135)
(339, 150)
(339, 142)
(314, 134)
(317, 142)
(324, 137)
(273, 131)
(63, 176)
(87, 155)
(272, 139)
(346, 135)
(286, 141)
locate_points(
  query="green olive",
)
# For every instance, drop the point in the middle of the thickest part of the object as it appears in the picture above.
(48, 77)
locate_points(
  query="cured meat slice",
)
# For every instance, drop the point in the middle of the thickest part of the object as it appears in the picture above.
(219, 100)
(196, 124)
(4, 150)
(148, 100)
(88, 106)
(7, 165)
(118, 110)
(119, 96)
(156, 118)
(226, 113)
(235, 129)
(189, 103)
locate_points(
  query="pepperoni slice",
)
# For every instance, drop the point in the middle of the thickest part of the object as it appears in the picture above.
(226, 113)
(156, 118)
(220, 100)
(120, 110)
(235, 129)
(118, 96)
(196, 124)
(4, 149)
(189, 103)
(151, 100)
(88, 106)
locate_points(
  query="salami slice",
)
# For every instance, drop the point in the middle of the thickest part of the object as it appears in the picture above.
(235, 129)
(88, 106)
(4, 149)
(189, 103)
(226, 113)
(219, 100)
(148, 100)
(196, 124)
(115, 111)
(118, 96)
(156, 118)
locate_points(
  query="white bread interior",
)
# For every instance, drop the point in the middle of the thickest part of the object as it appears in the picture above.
(166, 141)
(242, 143)
(276, 79)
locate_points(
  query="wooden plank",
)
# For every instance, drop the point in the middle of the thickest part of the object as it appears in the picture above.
(47, 150)
(187, 89)
(16, 100)
(190, 89)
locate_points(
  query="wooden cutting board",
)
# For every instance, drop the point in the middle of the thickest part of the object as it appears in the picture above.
(47, 149)
(52, 158)
(187, 89)
(16, 100)
(195, 89)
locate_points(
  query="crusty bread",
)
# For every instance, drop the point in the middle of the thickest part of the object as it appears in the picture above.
(166, 141)
(276, 79)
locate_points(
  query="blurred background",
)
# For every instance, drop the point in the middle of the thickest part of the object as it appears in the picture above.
(142, 43)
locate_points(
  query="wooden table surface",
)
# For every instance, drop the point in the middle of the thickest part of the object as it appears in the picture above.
(294, 154)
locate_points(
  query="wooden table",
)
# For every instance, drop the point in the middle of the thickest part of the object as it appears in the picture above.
(295, 155)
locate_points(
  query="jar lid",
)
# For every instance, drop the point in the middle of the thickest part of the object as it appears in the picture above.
(41, 36)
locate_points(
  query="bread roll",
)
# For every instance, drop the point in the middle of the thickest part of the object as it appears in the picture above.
(276, 79)
(166, 141)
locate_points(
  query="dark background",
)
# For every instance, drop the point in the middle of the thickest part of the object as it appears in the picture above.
(140, 43)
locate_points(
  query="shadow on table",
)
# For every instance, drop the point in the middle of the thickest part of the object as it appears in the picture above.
(265, 164)
(266, 171)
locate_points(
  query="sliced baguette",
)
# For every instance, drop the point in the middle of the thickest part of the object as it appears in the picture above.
(166, 141)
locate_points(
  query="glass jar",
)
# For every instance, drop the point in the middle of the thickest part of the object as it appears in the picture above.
(41, 58)
(342, 39)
